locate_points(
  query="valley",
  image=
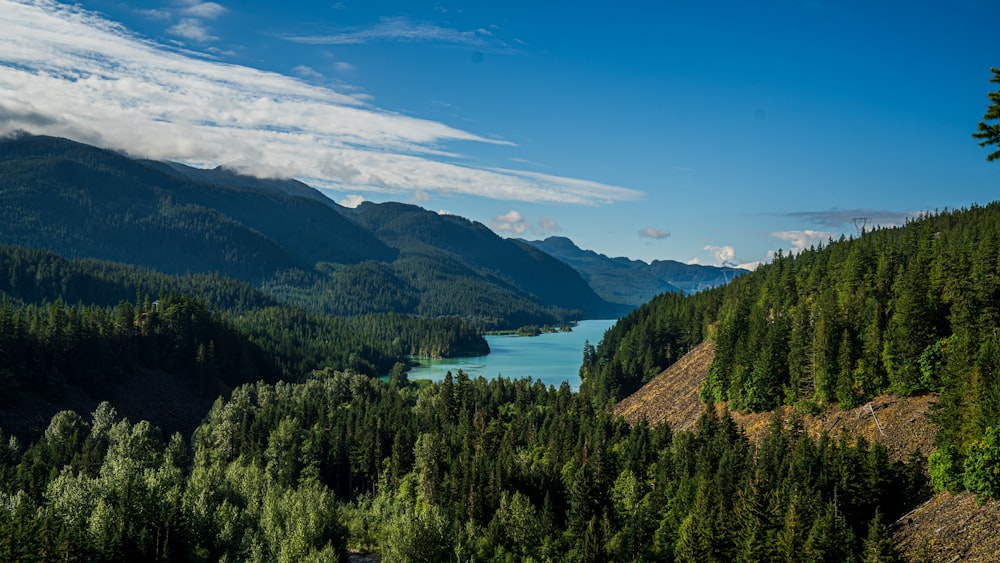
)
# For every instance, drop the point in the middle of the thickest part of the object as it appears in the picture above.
(197, 365)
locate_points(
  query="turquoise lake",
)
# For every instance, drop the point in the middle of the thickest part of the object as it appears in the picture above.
(550, 357)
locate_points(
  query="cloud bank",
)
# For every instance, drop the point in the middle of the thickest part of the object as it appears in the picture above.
(69, 72)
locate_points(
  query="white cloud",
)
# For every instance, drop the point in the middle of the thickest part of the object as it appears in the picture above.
(193, 29)
(307, 72)
(650, 232)
(801, 240)
(69, 72)
(395, 29)
(204, 10)
(343, 67)
(156, 14)
(420, 196)
(444, 212)
(515, 224)
(511, 222)
(722, 255)
(352, 200)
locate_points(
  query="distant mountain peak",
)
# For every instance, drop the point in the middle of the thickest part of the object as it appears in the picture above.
(633, 282)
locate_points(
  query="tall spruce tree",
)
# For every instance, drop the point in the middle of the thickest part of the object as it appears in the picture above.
(989, 133)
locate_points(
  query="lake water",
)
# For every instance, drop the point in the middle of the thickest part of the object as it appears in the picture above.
(550, 357)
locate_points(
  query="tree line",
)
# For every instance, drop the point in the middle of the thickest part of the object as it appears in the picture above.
(500, 470)
(906, 310)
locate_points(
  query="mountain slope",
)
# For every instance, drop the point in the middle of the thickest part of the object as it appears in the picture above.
(634, 282)
(83, 201)
(671, 396)
(510, 264)
(226, 177)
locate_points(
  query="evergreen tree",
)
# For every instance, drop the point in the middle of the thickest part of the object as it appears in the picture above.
(990, 132)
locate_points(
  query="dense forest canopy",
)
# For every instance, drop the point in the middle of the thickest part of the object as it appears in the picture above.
(461, 470)
(307, 468)
(88, 326)
(906, 310)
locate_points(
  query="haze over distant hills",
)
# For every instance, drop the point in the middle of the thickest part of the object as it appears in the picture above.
(634, 282)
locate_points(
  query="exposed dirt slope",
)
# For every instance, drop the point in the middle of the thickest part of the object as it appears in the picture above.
(944, 528)
(905, 426)
(672, 396)
(950, 528)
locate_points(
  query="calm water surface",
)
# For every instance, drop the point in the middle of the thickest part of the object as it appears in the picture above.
(550, 357)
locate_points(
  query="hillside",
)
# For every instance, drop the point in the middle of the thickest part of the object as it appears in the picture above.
(671, 396)
(949, 527)
(509, 265)
(634, 282)
(281, 235)
(81, 201)
(901, 424)
(944, 527)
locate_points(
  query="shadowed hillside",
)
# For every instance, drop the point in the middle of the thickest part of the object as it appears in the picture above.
(282, 235)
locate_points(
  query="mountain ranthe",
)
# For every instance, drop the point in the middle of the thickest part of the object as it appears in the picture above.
(81, 201)
(634, 282)
(282, 236)
(304, 455)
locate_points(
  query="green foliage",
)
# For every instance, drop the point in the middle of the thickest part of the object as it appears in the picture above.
(647, 340)
(477, 470)
(990, 132)
(878, 546)
(982, 465)
(945, 467)
(117, 330)
(906, 310)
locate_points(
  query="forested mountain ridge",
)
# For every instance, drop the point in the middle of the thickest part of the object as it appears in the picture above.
(76, 332)
(227, 177)
(904, 310)
(83, 201)
(634, 282)
(417, 232)
(282, 235)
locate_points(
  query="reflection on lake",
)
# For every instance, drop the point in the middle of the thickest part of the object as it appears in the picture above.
(549, 357)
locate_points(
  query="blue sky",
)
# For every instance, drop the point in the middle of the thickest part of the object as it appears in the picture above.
(709, 132)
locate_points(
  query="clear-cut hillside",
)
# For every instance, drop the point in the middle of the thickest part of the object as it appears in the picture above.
(950, 528)
(900, 424)
(671, 396)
